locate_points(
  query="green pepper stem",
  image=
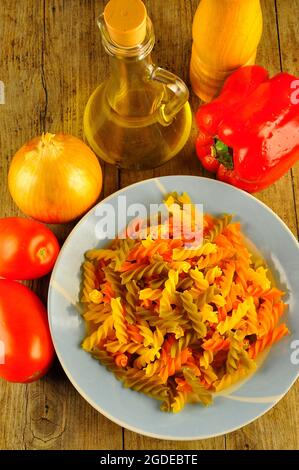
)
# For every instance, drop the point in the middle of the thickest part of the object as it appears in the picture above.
(223, 153)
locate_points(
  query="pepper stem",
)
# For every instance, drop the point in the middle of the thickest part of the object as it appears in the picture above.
(223, 153)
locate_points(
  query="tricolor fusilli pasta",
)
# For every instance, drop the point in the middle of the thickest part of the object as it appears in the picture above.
(176, 323)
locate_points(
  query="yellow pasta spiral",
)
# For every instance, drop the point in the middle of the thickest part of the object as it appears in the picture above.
(97, 336)
(199, 279)
(178, 402)
(89, 278)
(212, 274)
(119, 321)
(231, 322)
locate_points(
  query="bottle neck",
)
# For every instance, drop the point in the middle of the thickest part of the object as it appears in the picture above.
(138, 52)
(131, 71)
(129, 90)
(129, 74)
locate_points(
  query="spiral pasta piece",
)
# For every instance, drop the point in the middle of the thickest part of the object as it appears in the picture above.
(199, 279)
(268, 316)
(268, 340)
(99, 254)
(113, 279)
(235, 352)
(230, 379)
(117, 347)
(231, 322)
(109, 362)
(132, 297)
(178, 402)
(97, 336)
(227, 279)
(216, 343)
(168, 294)
(119, 321)
(144, 271)
(89, 280)
(193, 314)
(181, 254)
(172, 361)
(218, 227)
(123, 252)
(98, 315)
(201, 392)
(212, 274)
(206, 359)
(151, 386)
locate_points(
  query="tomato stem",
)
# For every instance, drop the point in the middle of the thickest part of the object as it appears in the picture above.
(42, 253)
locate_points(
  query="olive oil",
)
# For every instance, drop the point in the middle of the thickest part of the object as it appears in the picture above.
(133, 142)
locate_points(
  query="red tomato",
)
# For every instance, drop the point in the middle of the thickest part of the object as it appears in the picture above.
(26, 349)
(28, 249)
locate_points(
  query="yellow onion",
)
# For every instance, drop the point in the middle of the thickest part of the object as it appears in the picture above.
(55, 178)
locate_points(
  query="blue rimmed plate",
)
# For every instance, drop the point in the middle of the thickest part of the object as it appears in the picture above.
(232, 409)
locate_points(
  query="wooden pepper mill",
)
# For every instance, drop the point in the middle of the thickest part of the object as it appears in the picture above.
(226, 34)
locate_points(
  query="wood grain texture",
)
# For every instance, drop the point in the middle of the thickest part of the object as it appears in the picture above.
(20, 31)
(51, 59)
(287, 22)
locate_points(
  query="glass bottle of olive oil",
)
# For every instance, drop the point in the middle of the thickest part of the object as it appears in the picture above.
(140, 117)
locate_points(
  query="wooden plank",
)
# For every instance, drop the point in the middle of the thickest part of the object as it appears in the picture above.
(287, 16)
(21, 36)
(264, 433)
(20, 33)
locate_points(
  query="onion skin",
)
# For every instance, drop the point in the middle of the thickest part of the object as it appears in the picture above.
(55, 178)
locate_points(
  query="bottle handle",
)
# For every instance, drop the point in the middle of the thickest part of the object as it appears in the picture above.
(168, 111)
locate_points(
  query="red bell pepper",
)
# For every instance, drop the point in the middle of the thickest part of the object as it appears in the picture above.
(249, 135)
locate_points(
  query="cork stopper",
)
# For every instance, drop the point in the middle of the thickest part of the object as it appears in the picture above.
(126, 22)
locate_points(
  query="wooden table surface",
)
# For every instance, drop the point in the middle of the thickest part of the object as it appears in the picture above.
(51, 59)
